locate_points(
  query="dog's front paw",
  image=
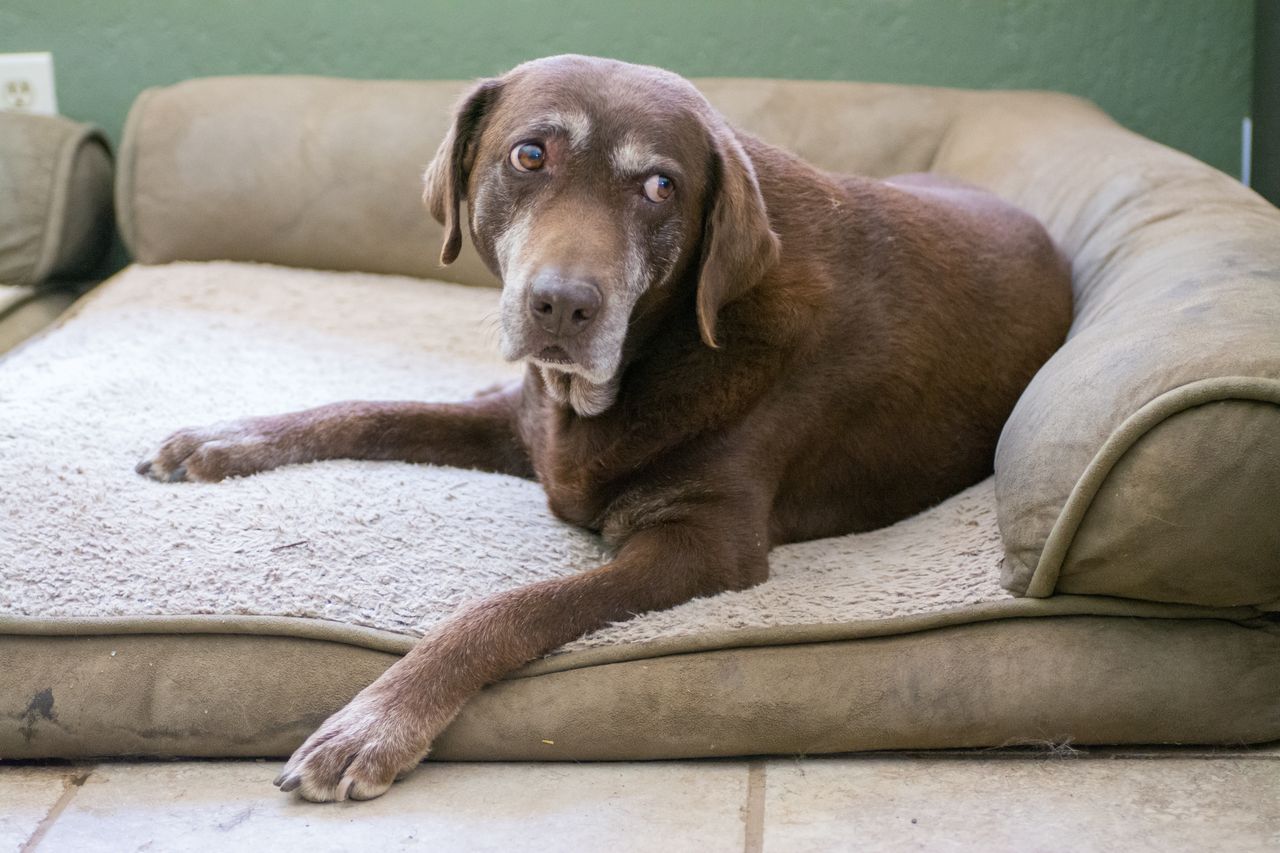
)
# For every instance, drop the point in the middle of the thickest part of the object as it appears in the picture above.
(209, 454)
(358, 752)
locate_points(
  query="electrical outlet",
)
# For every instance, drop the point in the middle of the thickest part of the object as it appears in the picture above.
(26, 83)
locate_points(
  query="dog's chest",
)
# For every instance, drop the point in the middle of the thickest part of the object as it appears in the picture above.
(576, 492)
(575, 504)
(592, 468)
(578, 473)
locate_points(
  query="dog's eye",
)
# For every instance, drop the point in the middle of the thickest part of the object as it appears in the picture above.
(658, 188)
(528, 157)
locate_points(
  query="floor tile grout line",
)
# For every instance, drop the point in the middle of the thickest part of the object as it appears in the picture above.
(754, 818)
(1080, 755)
(72, 783)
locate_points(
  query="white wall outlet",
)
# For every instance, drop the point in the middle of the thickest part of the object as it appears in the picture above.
(26, 83)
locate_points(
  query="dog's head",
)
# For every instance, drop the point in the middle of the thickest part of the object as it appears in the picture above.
(596, 189)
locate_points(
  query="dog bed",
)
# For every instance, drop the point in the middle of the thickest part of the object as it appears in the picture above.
(1116, 582)
(229, 618)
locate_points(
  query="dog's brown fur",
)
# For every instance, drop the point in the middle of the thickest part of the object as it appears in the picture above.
(812, 354)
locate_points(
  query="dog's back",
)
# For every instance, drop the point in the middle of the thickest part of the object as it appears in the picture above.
(940, 302)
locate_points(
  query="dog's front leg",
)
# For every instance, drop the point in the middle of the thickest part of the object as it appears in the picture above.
(481, 433)
(389, 726)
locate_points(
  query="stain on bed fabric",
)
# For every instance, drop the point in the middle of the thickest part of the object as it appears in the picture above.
(39, 708)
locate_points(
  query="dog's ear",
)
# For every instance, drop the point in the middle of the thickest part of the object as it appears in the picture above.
(738, 246)
(445, 181)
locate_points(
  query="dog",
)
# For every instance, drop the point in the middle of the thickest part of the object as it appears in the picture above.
(727, 349)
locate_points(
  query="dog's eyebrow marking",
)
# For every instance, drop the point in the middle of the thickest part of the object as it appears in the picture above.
(573, 124)
(633, 157)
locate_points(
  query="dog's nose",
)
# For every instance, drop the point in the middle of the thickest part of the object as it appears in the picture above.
(563, 306)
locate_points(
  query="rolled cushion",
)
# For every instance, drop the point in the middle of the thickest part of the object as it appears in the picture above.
(55, 198)
(326, 173)
(1144, 459)
(300, 171)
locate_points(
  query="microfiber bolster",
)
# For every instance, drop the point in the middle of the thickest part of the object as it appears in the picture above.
(1144, 459)
(55, 197)
(325, 173)
(309, 172)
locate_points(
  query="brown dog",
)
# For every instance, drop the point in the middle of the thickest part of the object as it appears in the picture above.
(727, 349)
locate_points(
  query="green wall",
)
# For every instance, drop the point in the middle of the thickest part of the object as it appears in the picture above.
(1176, 70)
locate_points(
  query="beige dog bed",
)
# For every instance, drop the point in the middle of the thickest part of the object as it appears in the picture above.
(229, 619)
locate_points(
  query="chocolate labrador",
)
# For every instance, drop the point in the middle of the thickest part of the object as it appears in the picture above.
(726, 348)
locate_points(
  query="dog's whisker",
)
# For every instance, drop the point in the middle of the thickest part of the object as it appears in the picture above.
(490, 326)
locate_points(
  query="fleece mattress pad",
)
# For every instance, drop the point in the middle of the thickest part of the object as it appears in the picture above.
(230, 618)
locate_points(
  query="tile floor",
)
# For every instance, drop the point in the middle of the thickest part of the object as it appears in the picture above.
(1132, 800)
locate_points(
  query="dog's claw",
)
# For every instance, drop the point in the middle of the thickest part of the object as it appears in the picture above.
(360, 751)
